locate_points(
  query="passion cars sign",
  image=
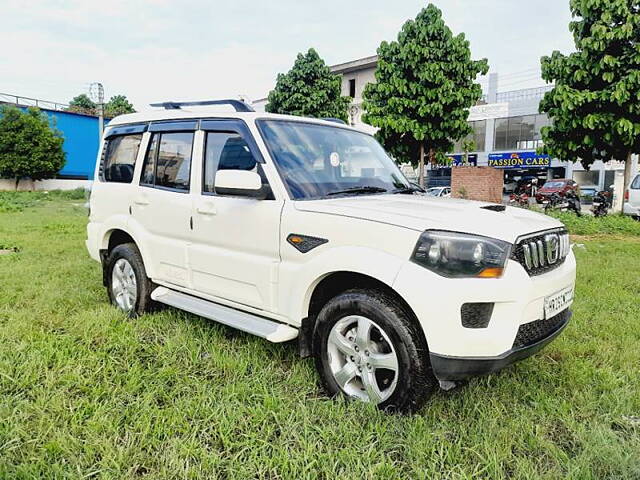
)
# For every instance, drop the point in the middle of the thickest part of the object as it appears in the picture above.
(519, 160)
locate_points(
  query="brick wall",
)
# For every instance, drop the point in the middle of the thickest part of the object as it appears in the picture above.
(477, 183)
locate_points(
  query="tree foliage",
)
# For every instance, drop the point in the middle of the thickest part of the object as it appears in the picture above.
(309, 89)
(82, 104)
(425, 85)
(595, 105)
(118, 105)
(29, 146)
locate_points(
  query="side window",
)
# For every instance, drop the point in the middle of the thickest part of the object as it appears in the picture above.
(226, 151)
(168, 161)
(120, 158)
(636, 183)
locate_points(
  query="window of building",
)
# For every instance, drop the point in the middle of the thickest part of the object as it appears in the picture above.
(519, 133)
(168, 161)
(225, 151)
(352, 88)
(477, 137)
(120, 158)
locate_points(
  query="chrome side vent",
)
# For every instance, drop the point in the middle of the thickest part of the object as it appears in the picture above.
(542, 252)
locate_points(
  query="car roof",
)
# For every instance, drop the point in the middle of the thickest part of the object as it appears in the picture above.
(161, 114)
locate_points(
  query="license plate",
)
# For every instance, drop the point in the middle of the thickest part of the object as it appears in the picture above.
(559, 301)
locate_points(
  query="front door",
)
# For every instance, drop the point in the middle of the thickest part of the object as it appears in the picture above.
(234, 253)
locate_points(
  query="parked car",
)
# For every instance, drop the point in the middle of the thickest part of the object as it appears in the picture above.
(438, 192)
(588, 193)
(632, 199)
(289, 227)
(510, 186)
(560, 187)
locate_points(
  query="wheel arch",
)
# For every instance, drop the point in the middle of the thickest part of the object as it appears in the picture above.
(118, 236)
(332, 284)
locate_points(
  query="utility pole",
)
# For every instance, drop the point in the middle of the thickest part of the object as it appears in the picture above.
(96, 92)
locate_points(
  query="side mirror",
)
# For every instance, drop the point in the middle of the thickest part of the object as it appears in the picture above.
(239, 183)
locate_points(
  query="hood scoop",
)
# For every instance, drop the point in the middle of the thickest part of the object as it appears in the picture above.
(495, 208)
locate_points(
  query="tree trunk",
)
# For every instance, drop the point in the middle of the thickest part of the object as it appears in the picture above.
(627, 178)
(17, 183)
(432, 158)
(421, 166)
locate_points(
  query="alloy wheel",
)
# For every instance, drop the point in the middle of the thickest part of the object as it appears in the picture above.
(362, 359)
(124, 285)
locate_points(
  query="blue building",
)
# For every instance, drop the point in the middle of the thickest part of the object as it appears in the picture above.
(81, 142)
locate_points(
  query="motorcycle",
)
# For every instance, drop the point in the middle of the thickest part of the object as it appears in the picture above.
(519, 200)
(600, 205)
(568, 202)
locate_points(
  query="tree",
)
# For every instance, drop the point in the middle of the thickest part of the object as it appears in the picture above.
(595, 104)
(425, 85)
(309, 89)
(29, 146)
(468, 145)
(82, 104)
(118, 105)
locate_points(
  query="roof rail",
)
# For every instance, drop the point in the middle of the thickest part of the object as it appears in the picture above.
(239, 105)
(334, 120)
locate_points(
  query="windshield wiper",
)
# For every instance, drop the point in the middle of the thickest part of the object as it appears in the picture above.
(359, 190)
(409, 189)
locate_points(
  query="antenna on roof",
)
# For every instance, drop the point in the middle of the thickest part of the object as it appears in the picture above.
(239, 105)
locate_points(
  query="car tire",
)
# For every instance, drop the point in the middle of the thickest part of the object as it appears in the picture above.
(128, 286)
(343, 349)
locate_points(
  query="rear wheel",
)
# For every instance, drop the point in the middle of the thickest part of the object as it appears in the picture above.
(369, 348)
(127, 283)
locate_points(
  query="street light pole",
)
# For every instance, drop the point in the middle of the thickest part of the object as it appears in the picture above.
(96, 91)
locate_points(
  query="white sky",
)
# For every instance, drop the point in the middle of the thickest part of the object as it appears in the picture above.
(156, 50)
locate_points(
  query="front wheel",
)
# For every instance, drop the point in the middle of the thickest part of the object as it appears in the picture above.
(369, 348)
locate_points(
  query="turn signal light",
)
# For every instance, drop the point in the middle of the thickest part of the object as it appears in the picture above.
(491, 273)
(626, 195)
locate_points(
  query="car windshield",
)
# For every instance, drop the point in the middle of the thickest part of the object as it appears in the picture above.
(433, 192)
(554, 185)
(321, 161)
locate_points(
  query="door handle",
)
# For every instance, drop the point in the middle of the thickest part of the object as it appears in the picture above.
(208, 210)
(141, 201)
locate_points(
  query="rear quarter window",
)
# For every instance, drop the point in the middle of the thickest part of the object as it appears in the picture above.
(636, 183)
(120, 158)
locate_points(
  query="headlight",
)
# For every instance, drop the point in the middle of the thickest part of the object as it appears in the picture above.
(460, 255)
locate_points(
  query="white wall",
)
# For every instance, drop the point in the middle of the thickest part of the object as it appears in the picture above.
(53, 184)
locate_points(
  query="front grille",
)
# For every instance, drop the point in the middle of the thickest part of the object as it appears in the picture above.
(533, 332)
(542, 252)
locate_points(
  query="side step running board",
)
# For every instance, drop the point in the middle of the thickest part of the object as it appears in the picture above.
(247, 322)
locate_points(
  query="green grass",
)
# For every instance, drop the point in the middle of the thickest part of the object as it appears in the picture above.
(86, 393)
(18, 201)
(590, 225)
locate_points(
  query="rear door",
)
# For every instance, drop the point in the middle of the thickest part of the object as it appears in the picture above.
(163, 204)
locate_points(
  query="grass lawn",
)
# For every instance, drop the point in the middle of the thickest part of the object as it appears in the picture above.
(85, 392)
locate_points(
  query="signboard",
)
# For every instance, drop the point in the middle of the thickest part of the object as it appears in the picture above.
(488, 112)
(461, 161)
(519, 160)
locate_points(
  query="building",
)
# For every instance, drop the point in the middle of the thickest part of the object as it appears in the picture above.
(506, 132)
(81, 142)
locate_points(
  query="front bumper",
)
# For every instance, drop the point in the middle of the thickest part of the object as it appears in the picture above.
(447, 368)
(518, 299)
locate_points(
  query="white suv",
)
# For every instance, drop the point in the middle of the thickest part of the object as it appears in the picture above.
(290, 227)
(632, 199)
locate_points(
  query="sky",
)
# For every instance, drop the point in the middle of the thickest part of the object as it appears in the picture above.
(159, 50)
